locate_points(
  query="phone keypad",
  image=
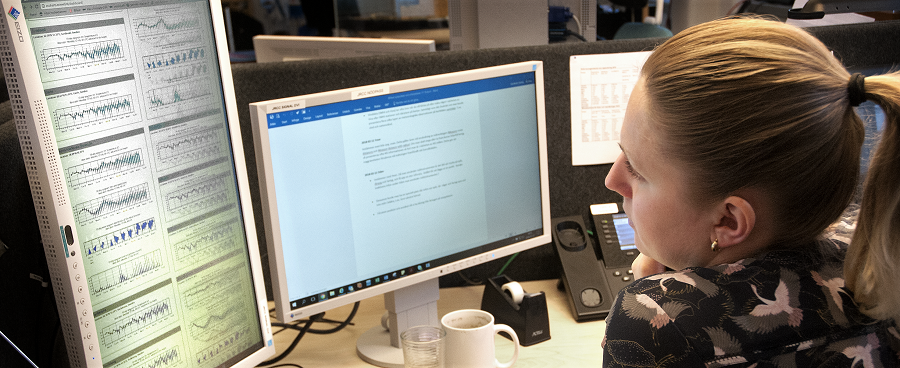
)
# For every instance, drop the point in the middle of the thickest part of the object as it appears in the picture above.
(626, 276)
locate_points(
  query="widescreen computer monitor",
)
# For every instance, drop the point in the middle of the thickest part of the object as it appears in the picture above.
(382, 189)
(126, 115)
(291, 48)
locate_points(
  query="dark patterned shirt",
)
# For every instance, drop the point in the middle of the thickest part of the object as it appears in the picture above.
(787, 308)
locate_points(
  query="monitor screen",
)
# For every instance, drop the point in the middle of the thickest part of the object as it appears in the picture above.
(270, 48)
(373, 189)
(126, 117)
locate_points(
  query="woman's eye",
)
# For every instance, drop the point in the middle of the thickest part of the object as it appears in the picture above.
(631, 170)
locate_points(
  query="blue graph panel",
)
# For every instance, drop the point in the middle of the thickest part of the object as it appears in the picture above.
(107, 166)
(136, 322)
(120, 238)
(125, 273)
(175, 58)
(84, 114)
(87, 212)
(87, 53)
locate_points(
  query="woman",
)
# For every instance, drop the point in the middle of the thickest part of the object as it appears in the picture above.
(740, 146)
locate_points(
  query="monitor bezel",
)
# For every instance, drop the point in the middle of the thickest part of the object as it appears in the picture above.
(53, 202)
(258, 112)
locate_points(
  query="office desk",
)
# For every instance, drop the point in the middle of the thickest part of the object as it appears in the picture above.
(571, 344)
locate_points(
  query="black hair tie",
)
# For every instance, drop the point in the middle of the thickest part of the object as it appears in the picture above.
(856, 89)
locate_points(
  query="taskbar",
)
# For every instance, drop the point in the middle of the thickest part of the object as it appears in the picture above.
(347, 289)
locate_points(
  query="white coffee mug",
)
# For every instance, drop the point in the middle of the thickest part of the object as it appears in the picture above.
(470, 339)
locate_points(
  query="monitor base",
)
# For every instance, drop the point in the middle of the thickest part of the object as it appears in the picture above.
(410, 306)
(374, 347)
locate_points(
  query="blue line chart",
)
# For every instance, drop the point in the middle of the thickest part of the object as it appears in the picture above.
(106, 280)
(136, 322)
(210, 242)
(200, 196)
(123, 199)
(176, 58)
(119, 238)
(78, 115)
(161, 26)
(189, 148)
(177, 94)
(107, 166)
(166, 358)
(92, 52)
(212, 355)
(217, 324)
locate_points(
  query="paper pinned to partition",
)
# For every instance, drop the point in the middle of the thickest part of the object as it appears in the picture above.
(600, 87)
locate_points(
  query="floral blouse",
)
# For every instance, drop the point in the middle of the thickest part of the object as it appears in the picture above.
(787, 308)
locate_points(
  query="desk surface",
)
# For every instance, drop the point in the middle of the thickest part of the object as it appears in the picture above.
(571, 344)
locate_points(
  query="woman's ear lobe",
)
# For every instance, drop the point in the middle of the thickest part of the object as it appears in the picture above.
(737, 220)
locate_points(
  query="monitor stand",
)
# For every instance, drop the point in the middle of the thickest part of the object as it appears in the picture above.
(414, 305)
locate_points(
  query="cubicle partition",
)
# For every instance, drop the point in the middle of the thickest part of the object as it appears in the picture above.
(572, 188)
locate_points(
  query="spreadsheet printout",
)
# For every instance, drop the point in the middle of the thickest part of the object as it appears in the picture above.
(600, 87)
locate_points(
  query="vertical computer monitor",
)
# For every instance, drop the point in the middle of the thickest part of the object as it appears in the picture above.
(384, 188)
(128, 126)
(291, 48)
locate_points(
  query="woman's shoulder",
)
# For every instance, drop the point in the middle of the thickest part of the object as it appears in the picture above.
(751, 309)
(814, 263)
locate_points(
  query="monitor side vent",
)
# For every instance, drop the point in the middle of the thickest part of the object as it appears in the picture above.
(45, 129)
(41, 203)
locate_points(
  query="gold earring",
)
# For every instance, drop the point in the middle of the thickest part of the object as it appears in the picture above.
(715, 246)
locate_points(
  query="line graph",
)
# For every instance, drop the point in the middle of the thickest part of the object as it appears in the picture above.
(162, 26)
(121, 237)
(167, 31)
(175, 58)
(217, 323)
(181, 73)
(125, 272)
(178, 94)
(104, 167)
(214, 354)
(92, 52)
(207, 194)
(203, 294)
(84, 114)
(189, 148)
(136, 322)
(211, 241)
(123, 199)
(168, 357)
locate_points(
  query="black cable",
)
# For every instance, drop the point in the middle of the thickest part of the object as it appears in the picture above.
(340, 326)
(296, 340)
(577, 35)
(469, 281)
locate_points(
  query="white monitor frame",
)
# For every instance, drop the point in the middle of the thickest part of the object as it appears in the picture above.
(292, 48)
(43, 142)
(410, 299)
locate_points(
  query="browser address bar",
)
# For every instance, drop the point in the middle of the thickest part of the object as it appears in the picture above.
(71, 3)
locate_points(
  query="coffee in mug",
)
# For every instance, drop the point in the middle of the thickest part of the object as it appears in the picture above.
(470, 339)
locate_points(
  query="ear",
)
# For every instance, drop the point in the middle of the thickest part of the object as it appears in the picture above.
(737, 218)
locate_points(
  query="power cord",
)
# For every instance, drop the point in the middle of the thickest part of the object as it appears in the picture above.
(341, 326)
(296, 340)
(307, 328)
(17, 349)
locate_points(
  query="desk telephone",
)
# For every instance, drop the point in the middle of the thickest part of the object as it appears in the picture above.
(592, 282)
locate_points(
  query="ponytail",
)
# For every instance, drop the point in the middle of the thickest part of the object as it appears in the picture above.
(873, 260)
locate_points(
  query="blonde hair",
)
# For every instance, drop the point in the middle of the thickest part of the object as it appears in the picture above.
(753, 103)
